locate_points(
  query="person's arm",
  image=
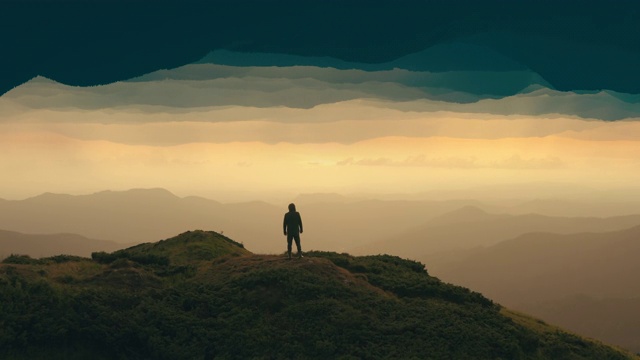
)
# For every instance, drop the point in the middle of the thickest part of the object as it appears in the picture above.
(300, 222)
(284, 224)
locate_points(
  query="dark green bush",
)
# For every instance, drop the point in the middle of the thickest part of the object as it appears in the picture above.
(20, 259)
(270, 309)
(58, 259)
(103, 257)
(144, 259)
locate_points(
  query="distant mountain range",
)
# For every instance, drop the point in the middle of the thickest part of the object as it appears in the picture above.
(578, 281)
(34, 245)
(135, 216)
(356, 224)
(471, 227)
(612, 320)
(549, 266)
(141, 215)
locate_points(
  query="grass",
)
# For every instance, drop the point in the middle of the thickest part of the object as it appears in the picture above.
(201, 294)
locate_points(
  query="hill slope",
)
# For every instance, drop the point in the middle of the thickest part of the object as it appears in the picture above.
(550, 266)
(577, 281)
(614, 321)
(166, 301)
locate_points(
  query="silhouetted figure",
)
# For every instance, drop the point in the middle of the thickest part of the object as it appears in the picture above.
(292, 226)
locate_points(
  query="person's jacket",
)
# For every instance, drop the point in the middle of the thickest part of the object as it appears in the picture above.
(292, 223)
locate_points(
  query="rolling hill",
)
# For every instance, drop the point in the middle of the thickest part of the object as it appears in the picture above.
(202, 295)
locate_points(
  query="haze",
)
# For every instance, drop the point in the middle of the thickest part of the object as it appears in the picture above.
(80, 152)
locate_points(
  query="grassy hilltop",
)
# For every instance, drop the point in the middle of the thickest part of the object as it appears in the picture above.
(201, 295)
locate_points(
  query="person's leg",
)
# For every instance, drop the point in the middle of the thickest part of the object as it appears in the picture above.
(297, 238)
(289, 240)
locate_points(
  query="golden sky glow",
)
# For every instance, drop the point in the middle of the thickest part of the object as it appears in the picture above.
(62, 152)
(56, 138)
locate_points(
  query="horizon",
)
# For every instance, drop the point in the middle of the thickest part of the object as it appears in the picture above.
(526, 192)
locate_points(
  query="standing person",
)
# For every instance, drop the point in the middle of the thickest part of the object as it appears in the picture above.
(292, 226)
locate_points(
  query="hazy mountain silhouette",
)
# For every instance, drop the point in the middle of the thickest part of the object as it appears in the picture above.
(315, 198)
(466, 214)
(201, 294)
(134, 216)
(141, 215)
(574, 280)
(549, 266)
(577, 208)
(614, 321)
(36, 245)
(412, 228)
(343, 226)
(471, 227)
(545, 198)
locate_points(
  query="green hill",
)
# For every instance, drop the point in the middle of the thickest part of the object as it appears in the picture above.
(201, 295)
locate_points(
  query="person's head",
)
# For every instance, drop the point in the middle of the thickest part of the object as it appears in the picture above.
(292, 207)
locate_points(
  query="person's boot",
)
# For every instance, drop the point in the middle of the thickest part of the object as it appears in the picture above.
(289, 255)
(300, 255)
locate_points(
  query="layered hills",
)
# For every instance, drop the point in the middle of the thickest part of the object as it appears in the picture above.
(408, 228)
(39, 245)
(596, 264)
(133, 216)
(586, 282)
(202, 295)
(471, 227)
(142, 215)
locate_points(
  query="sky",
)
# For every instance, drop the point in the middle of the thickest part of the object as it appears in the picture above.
(455, 110)
(364, 147)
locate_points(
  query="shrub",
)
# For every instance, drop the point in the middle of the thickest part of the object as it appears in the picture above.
(144, 259)
(103, 258)
(20, 260)
(59, 259)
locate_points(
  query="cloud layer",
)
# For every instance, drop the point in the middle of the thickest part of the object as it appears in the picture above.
(212, 129)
